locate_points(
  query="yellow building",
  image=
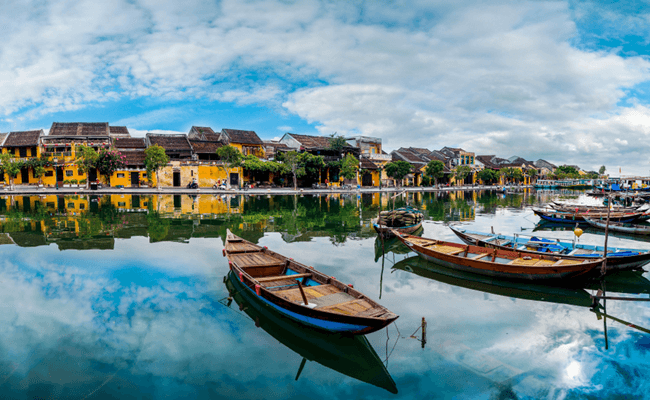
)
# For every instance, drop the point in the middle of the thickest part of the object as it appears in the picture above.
(24, 146)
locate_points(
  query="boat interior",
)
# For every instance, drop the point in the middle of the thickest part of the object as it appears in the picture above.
(299, 284)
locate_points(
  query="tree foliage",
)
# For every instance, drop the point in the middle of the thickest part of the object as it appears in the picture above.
(461, 172)
(397, 169)
(566, 171)
(602, 170)
(154, 159)
(337, 142)
(435, 169)
(301, 164)
(11, 166)
(231, 157)
(109, 161)
(349, 166)
(488, 176)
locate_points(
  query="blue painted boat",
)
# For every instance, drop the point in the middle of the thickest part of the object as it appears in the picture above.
(578, 218)
(352, 356)
(617, 258)
(302, 293)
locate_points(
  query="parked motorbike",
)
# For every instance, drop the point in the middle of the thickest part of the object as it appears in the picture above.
(219, 186)
(193, 185)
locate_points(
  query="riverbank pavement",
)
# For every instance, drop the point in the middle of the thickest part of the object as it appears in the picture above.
(36, 190)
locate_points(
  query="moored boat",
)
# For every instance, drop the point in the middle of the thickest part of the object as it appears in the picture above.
(573, 217)
(500, 263)
(404, 220)
(617, 258)
(302, 293)
(353, 356)
(633, 229)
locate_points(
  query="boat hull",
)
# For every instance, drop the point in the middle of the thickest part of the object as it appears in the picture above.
(386, 230)
(614, 263)
(632, 230)
(497, 269)
(314, 321)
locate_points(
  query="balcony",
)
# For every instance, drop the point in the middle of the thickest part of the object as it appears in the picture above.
(379, 157)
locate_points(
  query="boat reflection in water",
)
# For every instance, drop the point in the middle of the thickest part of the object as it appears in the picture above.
(350, 355)
(383, 245)
(502, 287)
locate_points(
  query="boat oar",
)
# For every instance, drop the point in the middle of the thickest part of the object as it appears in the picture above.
(302, 365)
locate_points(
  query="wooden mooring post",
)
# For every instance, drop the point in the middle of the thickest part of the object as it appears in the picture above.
(424, 332)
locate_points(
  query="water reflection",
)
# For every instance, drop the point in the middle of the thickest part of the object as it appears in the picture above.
(350, 355)
(93, 222)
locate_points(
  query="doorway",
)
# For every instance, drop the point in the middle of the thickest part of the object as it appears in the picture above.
(177, 179)
(135, 179)
(59, 176)
(366, 180)
(234, 180)
(24, 175)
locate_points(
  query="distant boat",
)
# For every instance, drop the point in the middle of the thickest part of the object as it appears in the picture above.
(352, 356)
(633, 229)
(302, 293)
(617, 258)
(404, 220)
(573, 218)
(508, 264)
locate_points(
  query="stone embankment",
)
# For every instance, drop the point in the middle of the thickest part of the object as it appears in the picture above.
(34, 190)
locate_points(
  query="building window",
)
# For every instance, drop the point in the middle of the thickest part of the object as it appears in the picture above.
(82, 206)
(70, 205)
(79, 172)
(121, 204)
(69, 172)
(144, 175)
(49, 173)
(120, 175)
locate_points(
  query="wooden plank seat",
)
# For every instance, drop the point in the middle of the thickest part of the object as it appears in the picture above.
(258, 259)
(243, 248)
(282, 277)
(479, 256)
(293, 294)
(352, 307)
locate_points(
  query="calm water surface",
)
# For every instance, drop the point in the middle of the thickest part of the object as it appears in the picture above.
(126, 297)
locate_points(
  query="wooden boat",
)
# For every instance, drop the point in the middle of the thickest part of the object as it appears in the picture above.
(573, 217)
(385, 245)
(508, 264)
(581, 208)
(633, 229)
(617, 258)
(302, 293)
(352, 356)
(395, 219)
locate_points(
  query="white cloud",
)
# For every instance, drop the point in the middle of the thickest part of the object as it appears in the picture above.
(494, 78)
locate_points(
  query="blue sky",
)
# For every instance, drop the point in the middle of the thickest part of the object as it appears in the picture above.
(565, 81)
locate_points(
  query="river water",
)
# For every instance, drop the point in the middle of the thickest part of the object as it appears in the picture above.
(126, 297)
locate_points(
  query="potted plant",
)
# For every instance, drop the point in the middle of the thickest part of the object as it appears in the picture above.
(66, 183)
(83, 182)
(73, 182)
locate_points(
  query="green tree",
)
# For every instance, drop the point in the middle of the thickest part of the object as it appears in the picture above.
(568, 171)
(109, 161)
(11, 166)
(461, 172)
(231, 158)
(301, 164)
(337, 142)
(488, 176)
(435, 169)
(397, 169)
(602, 170)
(154, 159)
(349, 166)
(86, 159)
(38, 167)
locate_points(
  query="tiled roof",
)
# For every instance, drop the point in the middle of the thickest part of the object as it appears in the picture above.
(135, 157)
(312, 142)
(24, 138)
(170, 142)
(129, 143)
(204, 133)
(367, 164)
(407, 155)
(202, 146)
(119, 130)
(243, 137)
(79, 129)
